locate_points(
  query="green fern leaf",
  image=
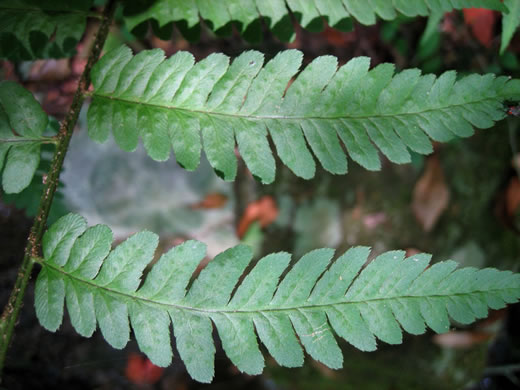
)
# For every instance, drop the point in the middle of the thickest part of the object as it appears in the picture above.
(510, 23)
(175, 102)
(315, 298)
(41, 29)
(29, 198)
(22, 123)
(245, 14)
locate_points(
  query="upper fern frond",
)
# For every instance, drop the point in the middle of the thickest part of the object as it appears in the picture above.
(40, 29)
(245, 14)
(22, 123)
(172, 102)
(315, 297)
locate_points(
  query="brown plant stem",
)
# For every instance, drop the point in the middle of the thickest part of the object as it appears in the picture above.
(32, 249)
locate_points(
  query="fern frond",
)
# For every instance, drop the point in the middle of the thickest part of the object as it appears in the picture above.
(315, 297)
(245, 14)
(41, 29)
(22, 123)
(173, 102)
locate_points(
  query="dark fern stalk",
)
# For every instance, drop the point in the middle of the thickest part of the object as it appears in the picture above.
(14, 304)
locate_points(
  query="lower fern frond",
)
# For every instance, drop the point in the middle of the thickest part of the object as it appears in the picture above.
(316, 298)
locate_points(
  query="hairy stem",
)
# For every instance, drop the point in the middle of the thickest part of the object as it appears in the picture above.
(14, 304)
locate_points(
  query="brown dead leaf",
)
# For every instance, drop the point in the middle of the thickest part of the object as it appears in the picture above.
(211, 201)
(263, 210)
(141, 371)
(337, 38)
(358, 211)
(513, 196)
(412, 252)
(431, 194)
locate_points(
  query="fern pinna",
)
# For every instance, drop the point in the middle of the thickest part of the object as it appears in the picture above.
(22, 125)
(316, 296)
(172, 103)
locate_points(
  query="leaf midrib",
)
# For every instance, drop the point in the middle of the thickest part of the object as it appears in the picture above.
(209, 311)
(265, 117)
(24, 140)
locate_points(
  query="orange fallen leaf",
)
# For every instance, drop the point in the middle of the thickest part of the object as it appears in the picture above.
(431, 194)
(211, 201)
(482, 22)
(263, 210)
(141, 371)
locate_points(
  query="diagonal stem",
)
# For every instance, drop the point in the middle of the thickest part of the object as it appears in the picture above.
(14, 304)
